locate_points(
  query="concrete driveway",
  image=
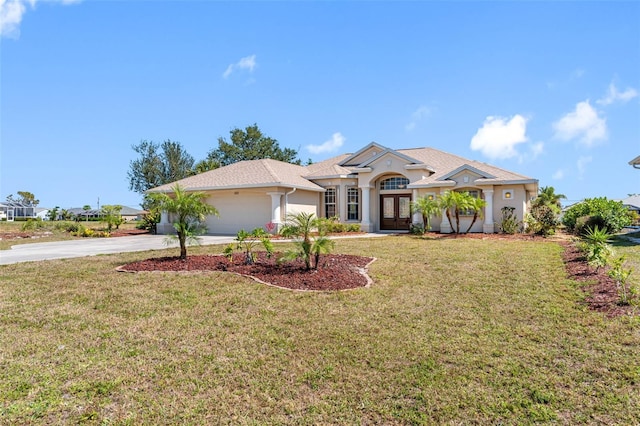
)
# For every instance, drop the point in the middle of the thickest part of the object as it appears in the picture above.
(92, 247)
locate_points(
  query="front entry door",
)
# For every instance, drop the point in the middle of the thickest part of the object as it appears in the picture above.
(395, 211)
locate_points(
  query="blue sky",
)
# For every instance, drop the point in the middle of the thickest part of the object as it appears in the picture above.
(546, 89)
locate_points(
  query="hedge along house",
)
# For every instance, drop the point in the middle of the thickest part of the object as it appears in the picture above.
(373, 187)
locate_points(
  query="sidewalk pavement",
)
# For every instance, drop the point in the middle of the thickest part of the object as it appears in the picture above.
(95, 246)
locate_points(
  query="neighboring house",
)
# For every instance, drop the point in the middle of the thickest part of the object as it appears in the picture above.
(635, 162)
(632, 203)
(127, 213)
(372, 187)
(12, 210)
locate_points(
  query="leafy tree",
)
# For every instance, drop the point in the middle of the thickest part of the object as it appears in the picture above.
(611, 214)
(250, 144)
(112, 216)
(426, 208)
(189, 210)
(206, 165)
(24, 197)
(158, 165)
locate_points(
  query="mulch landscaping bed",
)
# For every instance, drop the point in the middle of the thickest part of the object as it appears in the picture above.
(336, 271)
(600, 289)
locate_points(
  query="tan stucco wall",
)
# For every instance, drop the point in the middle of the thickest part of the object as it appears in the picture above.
(241, 209)
(302, 202)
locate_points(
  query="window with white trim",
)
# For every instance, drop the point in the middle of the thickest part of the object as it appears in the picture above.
(330, 202)
(353, 203)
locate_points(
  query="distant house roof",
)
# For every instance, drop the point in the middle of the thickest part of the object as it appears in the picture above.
(126, 211)
(635, 162)
(632, 202)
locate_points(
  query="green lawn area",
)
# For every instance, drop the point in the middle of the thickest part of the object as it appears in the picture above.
(453, 331)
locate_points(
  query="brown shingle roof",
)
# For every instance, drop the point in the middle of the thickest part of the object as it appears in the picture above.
(250, 173)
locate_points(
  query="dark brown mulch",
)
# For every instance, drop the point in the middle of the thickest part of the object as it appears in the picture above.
(600, 289)
(336, 271)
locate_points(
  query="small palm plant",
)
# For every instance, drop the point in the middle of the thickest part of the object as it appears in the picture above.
(300, 226)
(247, 241)
(427, 208)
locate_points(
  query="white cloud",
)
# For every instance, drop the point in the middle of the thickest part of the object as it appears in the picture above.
(558, 175)
(12, 11)
(333, 144)
(246, 63)
(498, 136)
(418, 115)
(582, 165)
(583, 124)
(536, 149)
(614, 95)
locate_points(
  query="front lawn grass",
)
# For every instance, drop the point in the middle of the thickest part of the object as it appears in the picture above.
(452, 331)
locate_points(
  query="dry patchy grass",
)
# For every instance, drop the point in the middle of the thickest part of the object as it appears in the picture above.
(452, 331)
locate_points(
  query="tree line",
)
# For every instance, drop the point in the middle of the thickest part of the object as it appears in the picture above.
(161, 163)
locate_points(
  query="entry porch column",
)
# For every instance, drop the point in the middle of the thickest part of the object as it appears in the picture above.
(365, 223)
(488, 227)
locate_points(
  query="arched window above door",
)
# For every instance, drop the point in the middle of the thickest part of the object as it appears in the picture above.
(396, 182)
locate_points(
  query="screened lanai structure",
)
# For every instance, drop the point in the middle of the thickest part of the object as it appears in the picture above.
(11, 210)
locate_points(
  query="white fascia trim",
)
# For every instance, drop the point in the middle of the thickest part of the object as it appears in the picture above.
(431, 185)
(468, 168)
(236, 187)
(360, 151)
(362, 169)
(419, 167)
(391, 152)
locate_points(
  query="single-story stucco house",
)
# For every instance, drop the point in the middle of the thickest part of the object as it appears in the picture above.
(372, 187)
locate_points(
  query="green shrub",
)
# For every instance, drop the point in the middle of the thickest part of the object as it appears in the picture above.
(417, 229)
(584, 223)
(509, 223)
(542, 220)
(596, 247)
(621, 275)
(33, 224)
(247, 241)
(613, 215)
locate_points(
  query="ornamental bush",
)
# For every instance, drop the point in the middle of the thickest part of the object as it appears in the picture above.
(611, 214)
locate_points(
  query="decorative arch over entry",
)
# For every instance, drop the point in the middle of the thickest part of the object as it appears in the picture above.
(395, 203)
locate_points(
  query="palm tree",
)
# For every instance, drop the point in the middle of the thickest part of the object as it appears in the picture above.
(427, 208)
(476, 205)
(190, 211)
(547, 197)
(453, 202)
